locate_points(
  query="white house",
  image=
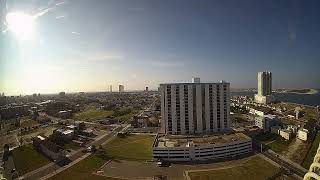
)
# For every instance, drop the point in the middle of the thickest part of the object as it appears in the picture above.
(303, 134)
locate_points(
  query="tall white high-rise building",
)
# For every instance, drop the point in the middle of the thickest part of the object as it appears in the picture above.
(264, 95)
(195, 108)
(121, 88)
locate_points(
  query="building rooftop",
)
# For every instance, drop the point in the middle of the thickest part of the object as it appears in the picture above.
(270, 116)
(66, 132)
(190, 83)
(184, 141)
(87, 131)
(71, 126)
(304, 130)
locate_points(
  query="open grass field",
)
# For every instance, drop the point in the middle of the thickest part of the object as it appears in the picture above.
(274, 142)
(125, 114)
(256, 168)
(92, 114)
(131, 147)
(84, 169)
(125, 117)
(27, 159)
(279, 145)
(312, 151)
(309, 111)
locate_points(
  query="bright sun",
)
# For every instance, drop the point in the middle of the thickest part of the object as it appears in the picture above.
(21, 24)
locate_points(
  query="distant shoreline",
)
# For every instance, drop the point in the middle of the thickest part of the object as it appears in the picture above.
(310, 92)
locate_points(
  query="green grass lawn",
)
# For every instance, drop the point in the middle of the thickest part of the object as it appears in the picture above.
(256, 168)
(92, 114)
(131, 147)
(125, 117)
(274, 142)
(125, 114)
(312, 152)
(279, 144)
(27, 159)
(84, 169)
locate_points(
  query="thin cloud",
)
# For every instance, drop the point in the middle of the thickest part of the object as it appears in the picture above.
(60, 17)
(75, 33)
(60, 3)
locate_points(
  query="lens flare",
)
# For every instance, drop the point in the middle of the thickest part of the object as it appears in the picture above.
(21, 24)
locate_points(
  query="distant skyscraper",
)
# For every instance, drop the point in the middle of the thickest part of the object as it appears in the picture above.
(121, 88)
(264, 83)
(195, 80)
(110, 88)
(264, 95)
(189, 108)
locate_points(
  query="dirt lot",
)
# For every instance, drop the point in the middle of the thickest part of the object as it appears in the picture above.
(297, 146)
(10, 139)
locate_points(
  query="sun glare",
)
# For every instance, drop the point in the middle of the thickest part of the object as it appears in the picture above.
(21, 24)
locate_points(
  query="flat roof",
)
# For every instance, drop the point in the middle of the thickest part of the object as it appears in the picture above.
(191, 83)
(304, 130)
(88, 131)
(67, 132)
(183, 141)
(270, 116)
(71, 126)
(41, 138)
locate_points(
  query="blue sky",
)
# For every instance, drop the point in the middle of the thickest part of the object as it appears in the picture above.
(84, 45)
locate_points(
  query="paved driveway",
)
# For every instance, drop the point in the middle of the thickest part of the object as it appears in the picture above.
(144, 170)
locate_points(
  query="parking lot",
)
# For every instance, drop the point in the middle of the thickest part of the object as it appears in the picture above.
(144, 170)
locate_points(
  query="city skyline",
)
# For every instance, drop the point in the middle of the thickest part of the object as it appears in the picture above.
(140, 44)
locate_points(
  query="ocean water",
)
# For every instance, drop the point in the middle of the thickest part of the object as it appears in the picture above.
(311, 100)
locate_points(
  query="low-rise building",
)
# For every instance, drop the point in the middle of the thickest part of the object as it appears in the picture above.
(66, 134)
(285, 133)
(65, 114)
(303, 134)
(48, 148)
(298, 112)
(256, 112)
(292, 128)
(200, 148)
(290, 116)
(87, 132)
(266, 122)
